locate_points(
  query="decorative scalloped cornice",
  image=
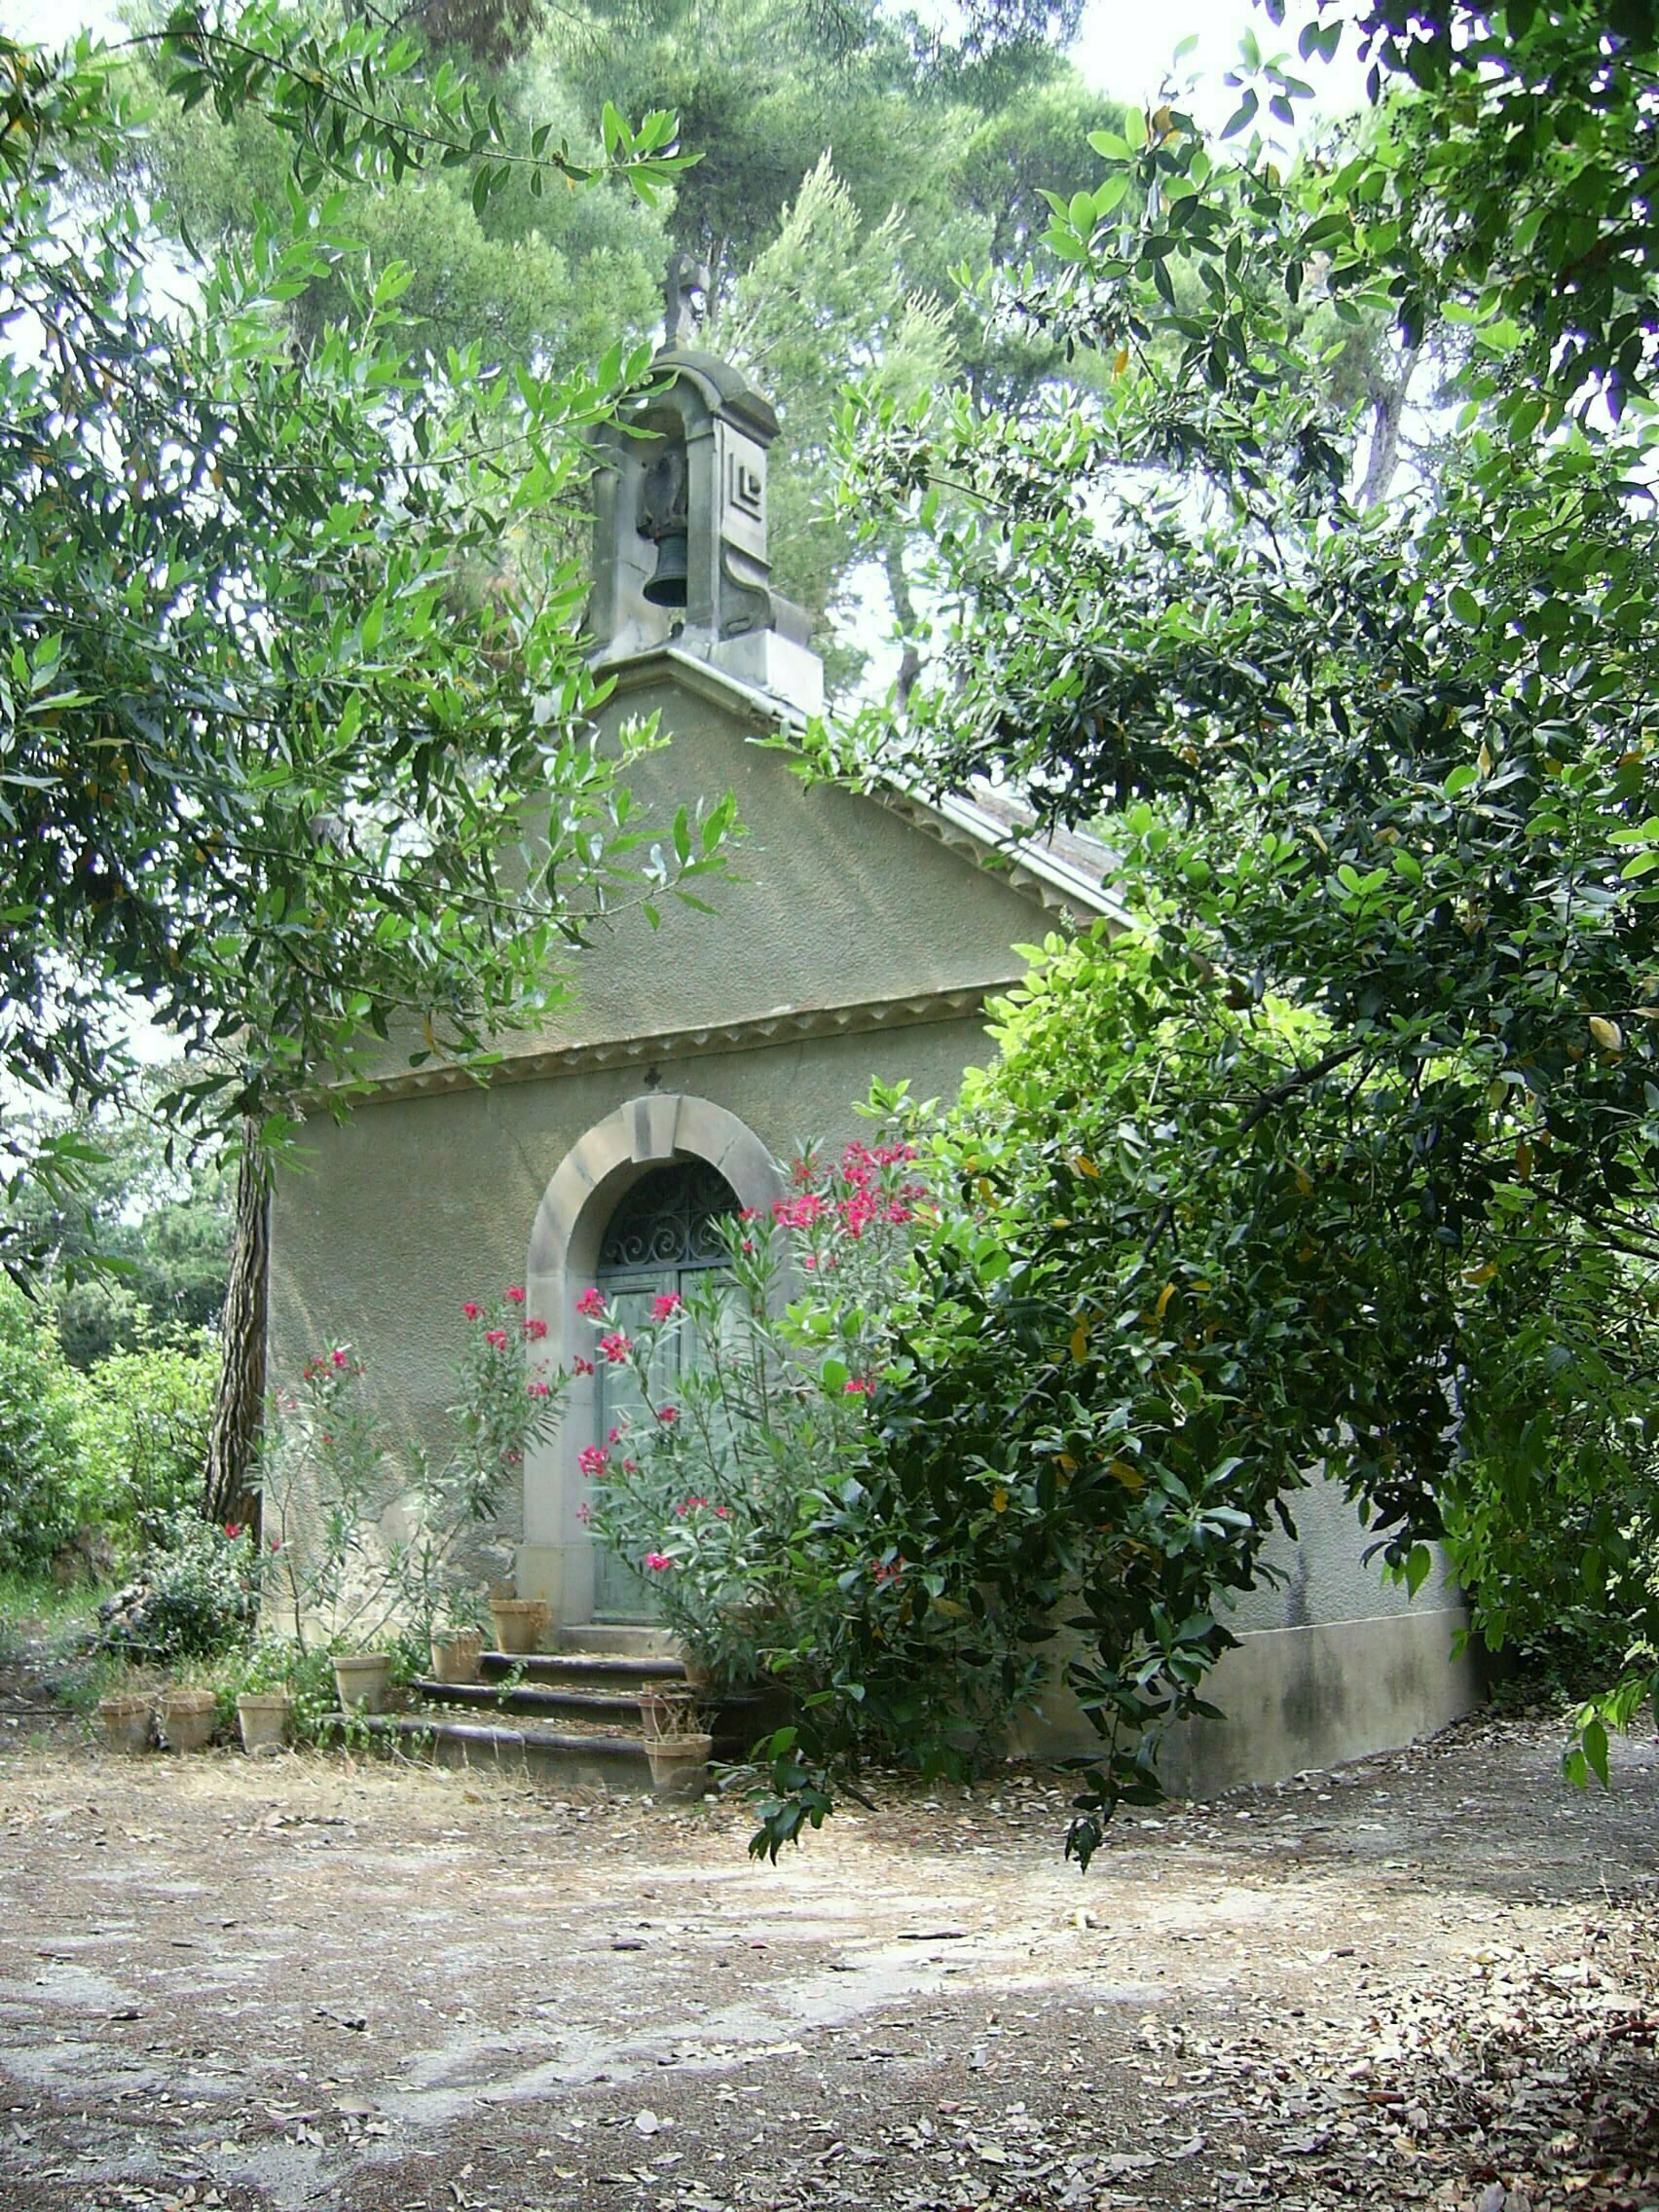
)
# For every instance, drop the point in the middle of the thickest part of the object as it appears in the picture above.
(783, 1026)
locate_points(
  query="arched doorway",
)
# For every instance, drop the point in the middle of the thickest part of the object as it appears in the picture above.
(556, 1556)
(664, 1231)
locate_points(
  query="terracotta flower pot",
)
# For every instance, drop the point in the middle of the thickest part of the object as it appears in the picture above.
(124, 1722)
(519, 1623)
(679, 1765)
(187, 1720)
(455, 1657)
(363, 1679)
(666, 1715)
(263, 1719)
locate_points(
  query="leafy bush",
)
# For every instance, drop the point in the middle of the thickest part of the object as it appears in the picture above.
(139, 1421)
(198, 1594)
(41, 1485)
(760, 1499)
(329, 1485)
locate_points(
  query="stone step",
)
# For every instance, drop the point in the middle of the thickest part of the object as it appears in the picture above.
(619, 1703)
(595, 1668)
(611, 1761)
(735, 1719)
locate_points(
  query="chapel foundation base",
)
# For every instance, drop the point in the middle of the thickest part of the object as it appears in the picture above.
(1296, 1699)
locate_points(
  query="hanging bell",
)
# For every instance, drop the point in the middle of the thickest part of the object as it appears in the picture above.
(667, 587)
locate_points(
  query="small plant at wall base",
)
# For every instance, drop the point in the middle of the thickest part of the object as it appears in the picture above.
(358, 1538)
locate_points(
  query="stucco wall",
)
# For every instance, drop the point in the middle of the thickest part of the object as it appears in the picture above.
(417, 1204)
(840, 901)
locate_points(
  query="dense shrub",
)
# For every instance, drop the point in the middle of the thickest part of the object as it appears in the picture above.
(139, 1427)
(41, 1488)
(197, 1594)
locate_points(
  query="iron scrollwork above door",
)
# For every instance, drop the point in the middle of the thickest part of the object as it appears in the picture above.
(670, 1219)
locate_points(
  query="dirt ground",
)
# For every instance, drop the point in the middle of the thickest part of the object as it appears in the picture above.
(1427, 1979)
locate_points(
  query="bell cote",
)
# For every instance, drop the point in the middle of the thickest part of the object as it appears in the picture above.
(680, 524)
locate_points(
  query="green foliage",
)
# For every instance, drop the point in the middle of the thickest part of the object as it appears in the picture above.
(941, 151)
(252, 616)
(358, 1542)
(139, 1429)
(42, 1493)
(139, 1250)
(1350, 1150)
(200, 1594)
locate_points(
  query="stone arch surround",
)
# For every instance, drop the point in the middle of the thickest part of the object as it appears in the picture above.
(555, 1560)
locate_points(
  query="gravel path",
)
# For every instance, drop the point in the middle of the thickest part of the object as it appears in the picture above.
(1432, 1978)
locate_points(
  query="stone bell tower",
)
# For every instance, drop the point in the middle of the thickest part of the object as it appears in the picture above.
(679, 522)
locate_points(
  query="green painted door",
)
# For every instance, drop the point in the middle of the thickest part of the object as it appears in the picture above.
(662, 1237)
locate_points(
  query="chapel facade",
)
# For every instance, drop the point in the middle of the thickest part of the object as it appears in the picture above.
(861, 938)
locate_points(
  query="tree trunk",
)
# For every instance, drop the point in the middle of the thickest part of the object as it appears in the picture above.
(904, 606)
(229, 1492)
(1388, 404)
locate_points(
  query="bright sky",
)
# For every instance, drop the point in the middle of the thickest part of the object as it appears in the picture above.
(1126, 48)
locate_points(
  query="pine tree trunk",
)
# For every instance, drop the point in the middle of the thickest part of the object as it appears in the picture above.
(904, 606)
(1388, 395)
(229, 1492)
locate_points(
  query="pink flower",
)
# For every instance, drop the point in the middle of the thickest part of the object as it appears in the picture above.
(584, 1513)
(275, 1544)
(515, 1296)
(538, 1389)
(723, 1512)
(471, 1309)
(535, 1331)
(593, 1459)
(591, 1305)
(667, 1301)
(658, 1561)
(615, 1347)
(859, 1387)
(498, 1337)
(338, 1356)
(668, 1413)
(233, 1530)
(581, 1367)
(629, 1467)
(614, 1437)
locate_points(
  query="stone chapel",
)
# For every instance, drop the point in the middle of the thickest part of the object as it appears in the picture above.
(864, 939)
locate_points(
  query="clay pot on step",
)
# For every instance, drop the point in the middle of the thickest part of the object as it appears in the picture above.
(123, 1721)
(456, 1656)
(518, 1623)
(667, 1715)
(363, 1679)
(262, 1716)
(679, 1765)
(187, 1718)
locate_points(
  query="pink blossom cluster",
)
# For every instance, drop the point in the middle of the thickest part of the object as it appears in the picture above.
(335, 1362)
(593, 1459)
